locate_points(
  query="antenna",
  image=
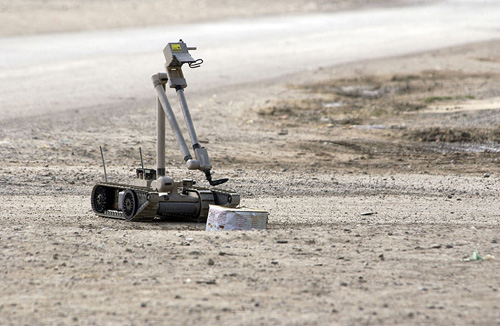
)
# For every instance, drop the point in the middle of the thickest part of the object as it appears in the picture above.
(142, 163)
(103, 165)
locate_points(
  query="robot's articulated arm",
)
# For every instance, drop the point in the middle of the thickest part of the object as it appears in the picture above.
(176, 55)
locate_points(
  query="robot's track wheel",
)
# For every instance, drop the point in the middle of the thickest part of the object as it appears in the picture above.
(130, 204)
(101, 199)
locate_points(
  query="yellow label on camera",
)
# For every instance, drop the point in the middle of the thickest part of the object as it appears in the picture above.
(176, 47)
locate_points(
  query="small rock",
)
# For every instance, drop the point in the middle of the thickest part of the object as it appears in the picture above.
(143, 304)
(489, 257)
(486, 175)
(367, 213)
(281, 241)
(274, 262)
(211, 262)
(381, 256)
(435, 246)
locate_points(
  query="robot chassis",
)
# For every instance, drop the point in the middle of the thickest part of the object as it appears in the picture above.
(153, 194)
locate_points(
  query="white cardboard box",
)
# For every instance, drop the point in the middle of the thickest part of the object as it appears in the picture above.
(223, 218)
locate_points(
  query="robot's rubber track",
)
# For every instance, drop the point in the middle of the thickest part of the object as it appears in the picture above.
(145, 208)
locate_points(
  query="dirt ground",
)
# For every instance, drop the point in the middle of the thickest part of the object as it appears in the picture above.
(381, 179)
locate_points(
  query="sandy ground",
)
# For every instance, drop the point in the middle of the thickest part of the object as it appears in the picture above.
(22, 17)
(381, 178)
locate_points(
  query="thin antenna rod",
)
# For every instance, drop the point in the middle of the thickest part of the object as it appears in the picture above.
(142, 163)
(103, 165)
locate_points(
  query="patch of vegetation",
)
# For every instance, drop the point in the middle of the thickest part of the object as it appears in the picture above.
(349, 121)
(432, 99)
(454, 135)
(466, 97)
(408, 106)
(375, 98)
(311, 110)
(275, 111)
(379, 112)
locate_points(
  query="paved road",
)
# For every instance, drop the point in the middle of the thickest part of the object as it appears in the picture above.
(55, 72)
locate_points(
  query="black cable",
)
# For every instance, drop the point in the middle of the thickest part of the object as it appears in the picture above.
(197, 63)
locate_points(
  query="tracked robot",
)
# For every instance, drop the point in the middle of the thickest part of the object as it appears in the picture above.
(154, 195)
